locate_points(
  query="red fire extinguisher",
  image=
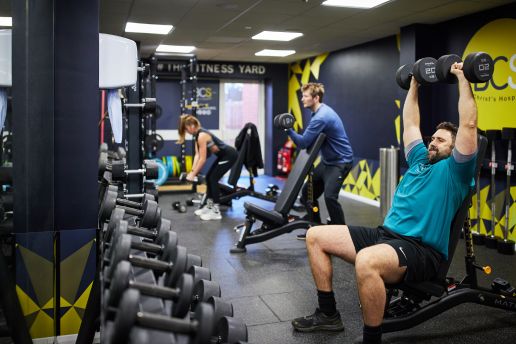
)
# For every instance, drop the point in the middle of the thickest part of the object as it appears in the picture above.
(285, 157)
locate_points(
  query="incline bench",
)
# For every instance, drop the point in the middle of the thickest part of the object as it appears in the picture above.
(277, 221)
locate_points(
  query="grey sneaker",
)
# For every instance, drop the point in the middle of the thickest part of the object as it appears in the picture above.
(318, 322)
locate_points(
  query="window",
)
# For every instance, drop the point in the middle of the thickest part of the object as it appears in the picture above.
(241, 102)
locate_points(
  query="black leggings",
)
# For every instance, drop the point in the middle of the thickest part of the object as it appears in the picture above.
(225, 160)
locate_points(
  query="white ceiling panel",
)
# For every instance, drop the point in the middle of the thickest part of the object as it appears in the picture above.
(222, 29)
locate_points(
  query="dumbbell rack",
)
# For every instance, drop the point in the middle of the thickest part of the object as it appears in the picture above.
(144, 273)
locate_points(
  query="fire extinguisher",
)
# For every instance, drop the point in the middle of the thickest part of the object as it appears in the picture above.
(285, 157)
(279, 160)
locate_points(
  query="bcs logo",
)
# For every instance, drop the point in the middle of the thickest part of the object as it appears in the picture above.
(204, 92)
(496, 99)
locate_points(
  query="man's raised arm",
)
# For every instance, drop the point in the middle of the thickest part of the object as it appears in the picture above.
(411, 130)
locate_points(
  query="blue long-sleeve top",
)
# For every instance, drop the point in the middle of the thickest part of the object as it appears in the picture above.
(336, 149)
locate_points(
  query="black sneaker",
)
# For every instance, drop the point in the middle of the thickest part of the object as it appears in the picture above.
(301, 236)
(318, 322)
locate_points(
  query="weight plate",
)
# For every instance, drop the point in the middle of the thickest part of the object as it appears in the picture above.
(443, 66)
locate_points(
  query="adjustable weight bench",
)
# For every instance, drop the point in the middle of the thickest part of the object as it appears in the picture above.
(277, 221)
(232, 190)
(422, 301)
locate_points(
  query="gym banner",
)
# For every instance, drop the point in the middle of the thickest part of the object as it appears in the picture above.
(168, 96)
(208, 100)
(217, 69)
(496, 99)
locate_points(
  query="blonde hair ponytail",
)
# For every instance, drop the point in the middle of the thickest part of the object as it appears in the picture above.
(184, 121)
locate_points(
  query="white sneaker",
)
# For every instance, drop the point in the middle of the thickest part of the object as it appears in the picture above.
(203, 210)
(213, 214)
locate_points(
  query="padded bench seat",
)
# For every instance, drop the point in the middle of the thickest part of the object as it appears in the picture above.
(269, 216)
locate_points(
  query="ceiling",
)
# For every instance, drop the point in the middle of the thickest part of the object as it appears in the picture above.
(222, 29)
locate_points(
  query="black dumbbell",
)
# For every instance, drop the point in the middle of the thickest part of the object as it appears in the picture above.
(157, 235)
(199, 179)
(184, 295)
(423, 70)
(230, 331)
(181, 295)
(127, 203)
(163, 250)
(201, 329)
(150, 189)
(178, 263)
(119, 171)
(284, 121)
(478, 68)
(148, 215)
(180, 207)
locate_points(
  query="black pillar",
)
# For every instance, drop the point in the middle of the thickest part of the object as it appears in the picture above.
(55, 134)
(55, 112)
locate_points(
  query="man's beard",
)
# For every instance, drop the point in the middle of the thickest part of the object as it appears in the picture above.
(438, 156)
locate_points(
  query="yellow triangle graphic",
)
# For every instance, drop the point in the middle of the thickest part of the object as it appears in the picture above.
(28, 306)
(293, 102)
(64, 303)
(49, 304)
(296, 68)
(43, 326)
(305, 78)
(70, 322)
(316, 65)
(83, 299)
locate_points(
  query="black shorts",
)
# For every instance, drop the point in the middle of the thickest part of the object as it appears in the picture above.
(422, 261)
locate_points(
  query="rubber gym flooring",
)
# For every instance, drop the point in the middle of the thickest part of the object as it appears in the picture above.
(271, 284)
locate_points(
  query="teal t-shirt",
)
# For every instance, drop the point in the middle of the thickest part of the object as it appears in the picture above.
(429, 195)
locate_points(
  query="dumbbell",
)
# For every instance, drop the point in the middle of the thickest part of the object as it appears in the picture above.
(178, 263)
(199, 179)
(129, 203)
(165, 238)
(119, 171)
(284, 121)
(201, 329)
(423, 70)
(187, 293)
(478, 68)
(180, 207)
(163, 250)
(148, 215)
(272, 190)
(156, 235)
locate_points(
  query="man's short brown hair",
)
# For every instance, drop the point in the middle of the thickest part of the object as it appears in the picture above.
(452, 128)
(315, 89)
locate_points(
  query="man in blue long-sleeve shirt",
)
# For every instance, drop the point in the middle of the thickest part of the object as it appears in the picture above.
(336, 152)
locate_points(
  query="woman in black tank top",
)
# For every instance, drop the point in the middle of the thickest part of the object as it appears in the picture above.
(207, 144)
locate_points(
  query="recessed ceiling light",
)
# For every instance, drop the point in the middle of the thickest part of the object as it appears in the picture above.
(148, 28)
(354, 3)
(277, 53)
(6, 21)
(277, 35)
(165, 48)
